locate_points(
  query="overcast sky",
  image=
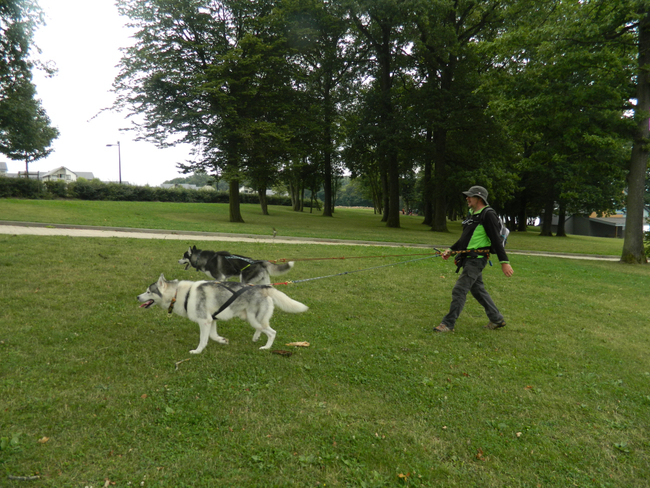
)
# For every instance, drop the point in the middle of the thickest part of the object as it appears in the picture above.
(83, 38)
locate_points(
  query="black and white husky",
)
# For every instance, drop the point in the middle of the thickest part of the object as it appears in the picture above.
(203, 302)
(221, 265)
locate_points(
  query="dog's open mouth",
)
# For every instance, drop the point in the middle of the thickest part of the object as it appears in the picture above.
(147, 304)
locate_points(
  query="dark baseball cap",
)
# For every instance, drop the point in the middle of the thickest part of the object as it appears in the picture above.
(477, 191)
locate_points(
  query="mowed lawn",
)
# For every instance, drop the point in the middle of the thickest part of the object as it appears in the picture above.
(347, 223)
(95, 391)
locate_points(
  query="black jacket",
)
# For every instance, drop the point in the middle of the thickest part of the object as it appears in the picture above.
(492, 225)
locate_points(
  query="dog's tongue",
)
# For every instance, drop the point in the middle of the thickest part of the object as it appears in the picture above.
(146, 304)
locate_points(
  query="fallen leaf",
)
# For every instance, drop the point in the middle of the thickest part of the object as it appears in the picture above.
(43, 440)
(282, 352)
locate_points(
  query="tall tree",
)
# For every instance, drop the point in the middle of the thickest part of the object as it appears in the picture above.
(633, 249)
(381, 23)
(207, 73)
(564, 92)
(26, 132)
(451, 60)
(320, 32)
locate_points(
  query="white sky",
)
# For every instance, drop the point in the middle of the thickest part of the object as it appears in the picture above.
(83, 38)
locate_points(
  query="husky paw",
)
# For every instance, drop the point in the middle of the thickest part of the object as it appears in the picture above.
(196, 351)
(222, 340)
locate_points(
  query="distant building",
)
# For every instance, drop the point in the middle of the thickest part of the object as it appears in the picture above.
(595, 226)
(59, 174)
(187, 186)
(179, 185)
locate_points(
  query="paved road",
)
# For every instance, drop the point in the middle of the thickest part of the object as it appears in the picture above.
(38, 229)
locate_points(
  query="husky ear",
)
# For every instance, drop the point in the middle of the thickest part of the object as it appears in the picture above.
(162, 281)
(193, 248)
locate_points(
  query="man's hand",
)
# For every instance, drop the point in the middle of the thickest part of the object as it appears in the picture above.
(445, 255)
(507, 269)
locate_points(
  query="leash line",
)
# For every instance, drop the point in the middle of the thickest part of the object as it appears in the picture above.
(286, 260)
(436, 253)
(350, 272)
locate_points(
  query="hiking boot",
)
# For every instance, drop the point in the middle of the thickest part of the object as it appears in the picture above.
(493, 326)
(443, 328)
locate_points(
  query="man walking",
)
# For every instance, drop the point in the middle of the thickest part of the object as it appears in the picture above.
(481, 235)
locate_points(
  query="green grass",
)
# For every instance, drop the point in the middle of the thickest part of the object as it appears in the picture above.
(90, 389)
(350, 224)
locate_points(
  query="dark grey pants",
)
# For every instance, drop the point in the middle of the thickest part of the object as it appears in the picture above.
(471, 280)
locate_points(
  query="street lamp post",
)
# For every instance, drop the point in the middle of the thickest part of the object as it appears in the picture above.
(119, 158)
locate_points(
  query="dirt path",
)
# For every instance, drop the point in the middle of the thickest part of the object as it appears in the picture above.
(37, 229)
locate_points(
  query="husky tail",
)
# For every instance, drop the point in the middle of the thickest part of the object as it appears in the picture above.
(285, 303)
(276, 269)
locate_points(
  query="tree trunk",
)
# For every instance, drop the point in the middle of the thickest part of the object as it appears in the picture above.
(302, 197)
(633, 252)
(393, 188)
(427, 186)
(233, 200)
(263, 202)
(547, 223)
(561, 221)
(440, 204)
(327, 147)
(384, 196)
(522, 216)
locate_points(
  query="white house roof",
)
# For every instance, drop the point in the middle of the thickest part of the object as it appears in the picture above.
(60, 169)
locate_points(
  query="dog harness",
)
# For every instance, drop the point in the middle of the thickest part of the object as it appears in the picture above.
(235, 295)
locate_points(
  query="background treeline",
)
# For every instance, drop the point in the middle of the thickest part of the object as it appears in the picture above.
(516, 95)
(97, 190)
(350, 193)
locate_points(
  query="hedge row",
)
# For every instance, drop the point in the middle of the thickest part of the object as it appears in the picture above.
(97, 190)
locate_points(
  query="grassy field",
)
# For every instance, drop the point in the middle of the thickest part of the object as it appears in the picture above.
(95, 391)
(356, 224)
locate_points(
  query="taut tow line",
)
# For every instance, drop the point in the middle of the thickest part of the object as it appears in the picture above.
(355, 271)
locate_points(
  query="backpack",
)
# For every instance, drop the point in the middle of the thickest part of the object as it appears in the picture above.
(504, 232)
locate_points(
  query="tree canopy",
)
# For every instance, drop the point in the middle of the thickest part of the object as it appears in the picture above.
(534, 100)
(26, 132)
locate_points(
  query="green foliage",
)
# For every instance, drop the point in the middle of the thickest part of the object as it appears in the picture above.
(25, 129)
(21, 188)
(518, 96)
(198, 179)
(99, 191)
(351, 193)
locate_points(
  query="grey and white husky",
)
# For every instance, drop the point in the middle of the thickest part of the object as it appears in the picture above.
(221, 265)
(203, 302)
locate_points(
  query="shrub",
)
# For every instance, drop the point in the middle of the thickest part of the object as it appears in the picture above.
(56, 189)
(22, 188)
(83, 189)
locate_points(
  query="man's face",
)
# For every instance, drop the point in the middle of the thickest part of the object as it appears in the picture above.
(473, 202)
